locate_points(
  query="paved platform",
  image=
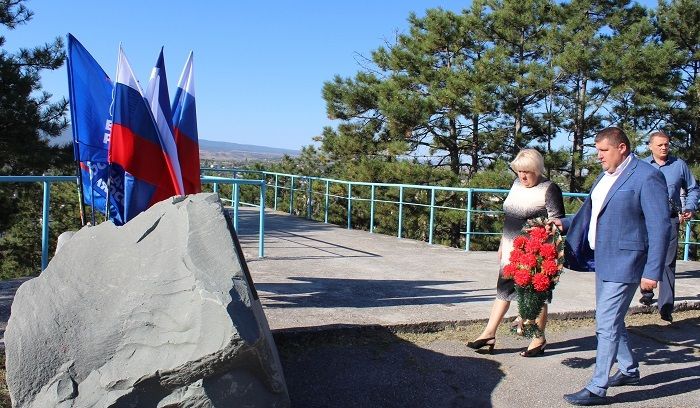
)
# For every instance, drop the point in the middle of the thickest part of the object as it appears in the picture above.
(317, 275)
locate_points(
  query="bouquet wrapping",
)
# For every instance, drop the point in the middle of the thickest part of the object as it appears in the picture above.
(535, 264)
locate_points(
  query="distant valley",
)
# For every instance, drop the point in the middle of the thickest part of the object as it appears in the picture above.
(227, 151)
(217, 151)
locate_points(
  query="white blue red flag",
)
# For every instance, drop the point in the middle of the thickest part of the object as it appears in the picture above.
(159, 101)
(185, 129)
(136, 148)
(90, 91)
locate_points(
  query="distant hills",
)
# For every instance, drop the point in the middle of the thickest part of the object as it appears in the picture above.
(227, 151)
(217, 151)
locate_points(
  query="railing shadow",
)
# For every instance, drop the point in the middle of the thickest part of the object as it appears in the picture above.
(693, 274)
(364, 293)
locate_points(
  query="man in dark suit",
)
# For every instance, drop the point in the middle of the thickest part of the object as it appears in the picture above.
(622, 232)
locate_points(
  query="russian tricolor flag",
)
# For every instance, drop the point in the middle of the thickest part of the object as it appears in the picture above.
(159, 101)
(185, 129)
(137, 148)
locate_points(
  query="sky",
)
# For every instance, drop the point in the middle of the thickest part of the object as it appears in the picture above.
(259, 66)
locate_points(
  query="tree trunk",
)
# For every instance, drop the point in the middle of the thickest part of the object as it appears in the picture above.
(454, 148)
(579, 133)
(518, 129)
(475, 146)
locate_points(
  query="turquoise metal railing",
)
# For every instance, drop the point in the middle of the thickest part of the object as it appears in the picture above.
(304, 184)
(687, 242)
(47, 180)
(235, 203)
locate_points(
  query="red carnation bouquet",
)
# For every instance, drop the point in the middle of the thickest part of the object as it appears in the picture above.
(536, 262)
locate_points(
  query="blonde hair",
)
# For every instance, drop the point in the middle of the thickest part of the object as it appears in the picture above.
(528, 160)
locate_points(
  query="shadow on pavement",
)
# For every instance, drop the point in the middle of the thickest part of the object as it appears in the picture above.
(248, 222)
(666, 384)
(372, 367)
(687, 274)
(336, 292)
(658, 345)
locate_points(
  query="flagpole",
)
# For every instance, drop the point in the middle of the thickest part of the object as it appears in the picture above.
(109, 159)
(76, 150)
(92, 195)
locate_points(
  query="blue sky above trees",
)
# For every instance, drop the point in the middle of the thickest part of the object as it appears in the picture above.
(259, 66)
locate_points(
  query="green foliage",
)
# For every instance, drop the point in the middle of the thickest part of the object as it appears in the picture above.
(464, 90)
(20, 245)
(28, 119)
(677, 24)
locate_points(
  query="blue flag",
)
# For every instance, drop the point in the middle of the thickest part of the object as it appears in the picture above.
(90, 91)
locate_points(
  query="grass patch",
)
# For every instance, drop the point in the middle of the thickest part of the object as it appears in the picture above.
(4, 393)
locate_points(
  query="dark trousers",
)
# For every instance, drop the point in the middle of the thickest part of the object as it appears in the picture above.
(667, 286)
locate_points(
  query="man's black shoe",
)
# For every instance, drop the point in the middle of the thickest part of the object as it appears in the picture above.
(585, 397)
(665, 312)
(622, 379)
(667, 316)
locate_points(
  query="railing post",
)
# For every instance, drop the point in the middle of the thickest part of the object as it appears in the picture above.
(261, 229)
(325, 208)
(216, 188)
(687, 240)
(276, 188)
(45, 227)
(349, 205)
(309, 191)
(371, 212)
(291, 197)
(432, 215)
(400, 210)
(235, 201)
(467, 237)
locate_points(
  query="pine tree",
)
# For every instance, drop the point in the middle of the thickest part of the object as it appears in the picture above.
(429, 95)
(520, 31)
(637, 67)
(28, 120)
(677, 24)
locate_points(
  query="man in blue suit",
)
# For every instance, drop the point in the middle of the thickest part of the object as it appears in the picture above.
(622, 232)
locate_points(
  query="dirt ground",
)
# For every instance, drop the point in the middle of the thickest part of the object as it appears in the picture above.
(380, 368)
(377, 367)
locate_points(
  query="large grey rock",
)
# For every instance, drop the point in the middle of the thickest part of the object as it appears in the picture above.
(160, 312)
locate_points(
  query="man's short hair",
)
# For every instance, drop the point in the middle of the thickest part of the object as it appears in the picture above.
(614, 135)
(659, 133)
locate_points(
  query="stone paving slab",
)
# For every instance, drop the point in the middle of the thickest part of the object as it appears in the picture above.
(317, 275)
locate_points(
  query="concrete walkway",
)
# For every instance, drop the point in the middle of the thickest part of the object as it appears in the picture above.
(318, 275)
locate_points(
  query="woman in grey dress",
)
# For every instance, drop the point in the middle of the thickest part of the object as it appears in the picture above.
(531, 196)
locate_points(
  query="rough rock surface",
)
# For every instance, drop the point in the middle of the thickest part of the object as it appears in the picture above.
(160, 312)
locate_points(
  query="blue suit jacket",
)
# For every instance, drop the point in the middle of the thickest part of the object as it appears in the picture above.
(633, 230)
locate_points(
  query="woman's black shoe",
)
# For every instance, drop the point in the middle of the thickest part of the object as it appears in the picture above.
(535, 351)
(479, 343)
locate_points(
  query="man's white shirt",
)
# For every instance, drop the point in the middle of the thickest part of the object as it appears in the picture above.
(598, 197)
